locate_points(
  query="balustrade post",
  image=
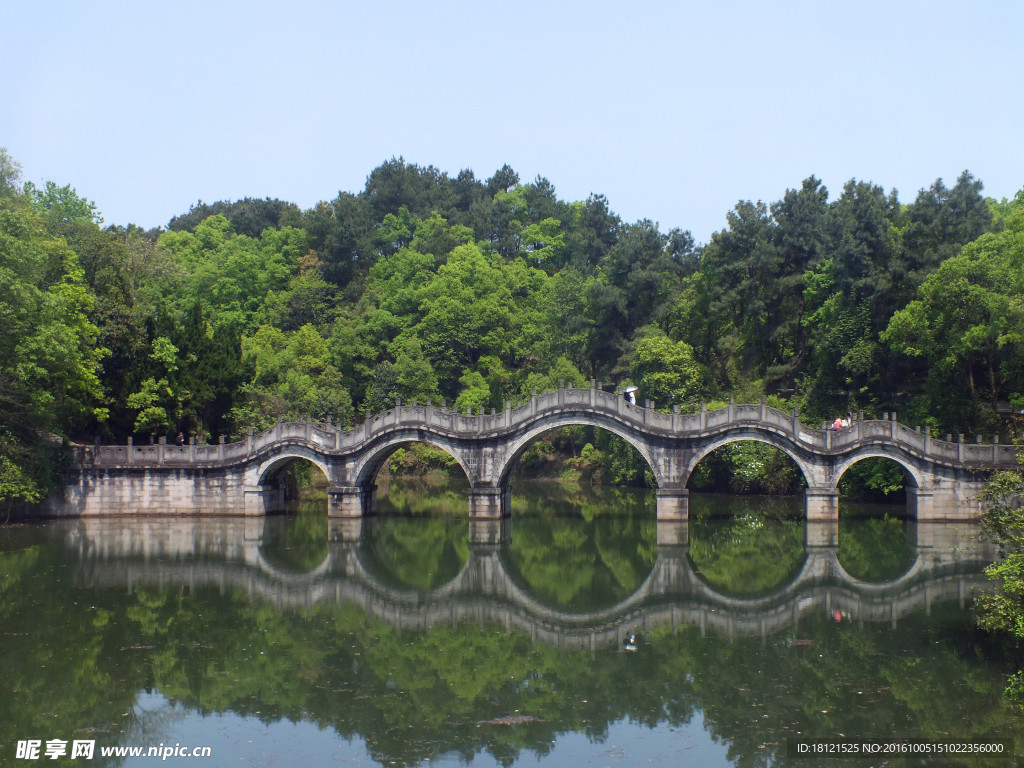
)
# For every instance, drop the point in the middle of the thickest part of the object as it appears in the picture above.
(959, 447)
(927, 439)
(160, 448)
(508, 414)
(248, 440)
(308, 426)
(366, 426)
(480, 420)
(732, 409)
(533, 402)
(764, 408)
(995, 442)
(675, 418)
(278, 429)
(220, 447)
(192, 450)
(703, 416)
(561, 393)
(593, 392)
(130, 449)
(796, 422)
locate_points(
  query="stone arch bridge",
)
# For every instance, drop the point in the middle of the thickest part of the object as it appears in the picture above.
(943, 476)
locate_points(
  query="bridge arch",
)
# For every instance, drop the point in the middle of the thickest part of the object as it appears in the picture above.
(910, 472)
(811, 477)
(266, 471)
(370, 464)
(544, 425)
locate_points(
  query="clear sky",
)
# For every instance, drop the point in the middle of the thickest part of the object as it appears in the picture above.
(673, 110)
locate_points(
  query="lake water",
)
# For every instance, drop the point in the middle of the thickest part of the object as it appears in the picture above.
(579, 632)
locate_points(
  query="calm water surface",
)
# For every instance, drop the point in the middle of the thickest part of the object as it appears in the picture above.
(579, 632)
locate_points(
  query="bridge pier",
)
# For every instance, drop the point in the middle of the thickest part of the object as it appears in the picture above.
(673, 505)
(821, 504)
(946, 500)
(260, 500)
(348, 501)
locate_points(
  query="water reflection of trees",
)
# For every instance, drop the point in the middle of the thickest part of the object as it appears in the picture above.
(418, 554)
(876, 543)
(297, 542)
(582, 549)
(747, 546)
(76, 653)
(414, 696)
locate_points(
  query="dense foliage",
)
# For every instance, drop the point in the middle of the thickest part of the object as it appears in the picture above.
(426, 286)
(1003, 610)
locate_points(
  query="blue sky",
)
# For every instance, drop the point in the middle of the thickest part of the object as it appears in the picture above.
(673, 110)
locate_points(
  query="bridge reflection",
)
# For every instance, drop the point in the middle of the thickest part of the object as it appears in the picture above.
(229, 554)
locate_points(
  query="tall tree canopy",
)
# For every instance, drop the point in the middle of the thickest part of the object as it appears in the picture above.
(427, 286)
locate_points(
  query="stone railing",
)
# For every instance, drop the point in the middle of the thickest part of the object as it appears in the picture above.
(603, 406)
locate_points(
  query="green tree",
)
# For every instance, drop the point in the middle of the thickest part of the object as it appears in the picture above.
(61, 204)
(415, 375)
(967, 324)
(232, 274)
(49, 358)
(1003, 610)
(10, 175)
(939, 222)
(666, 371)
(157, 403)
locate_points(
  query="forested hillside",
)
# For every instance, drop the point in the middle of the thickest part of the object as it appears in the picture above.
(425, 286)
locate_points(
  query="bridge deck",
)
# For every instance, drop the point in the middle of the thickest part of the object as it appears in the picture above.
(591, 404)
